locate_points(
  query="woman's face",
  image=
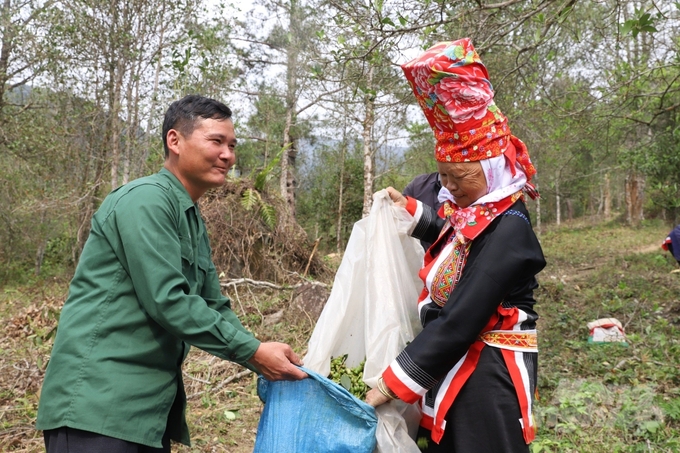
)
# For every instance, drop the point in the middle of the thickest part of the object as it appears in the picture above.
(465, 181)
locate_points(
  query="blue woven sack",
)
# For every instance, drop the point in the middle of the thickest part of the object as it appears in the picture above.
(313, 415)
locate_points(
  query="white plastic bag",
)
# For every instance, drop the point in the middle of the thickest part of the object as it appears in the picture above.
(372, 313)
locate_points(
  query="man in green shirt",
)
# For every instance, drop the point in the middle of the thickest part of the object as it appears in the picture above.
(144, 290)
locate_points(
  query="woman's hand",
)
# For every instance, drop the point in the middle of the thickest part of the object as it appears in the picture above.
(396, 197)
(375, 398)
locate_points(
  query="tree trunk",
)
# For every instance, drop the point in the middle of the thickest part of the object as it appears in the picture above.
(130, 135)
(288, 180)
(570, 208)
(115, 131)
(6, 27)
(40, 252)
(558, 212)
(635, 184)
(538, 212)
(369, 120)
(338, 229)
(607, 198)
(39, 255)
(154, 91)
(92, 189)
(287, 161)
(115, 87)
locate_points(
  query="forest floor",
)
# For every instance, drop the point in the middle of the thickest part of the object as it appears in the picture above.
(593, 398)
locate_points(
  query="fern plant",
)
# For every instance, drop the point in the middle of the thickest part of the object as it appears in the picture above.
(251, 198)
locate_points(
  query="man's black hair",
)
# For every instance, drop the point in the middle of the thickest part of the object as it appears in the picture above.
(183, 115)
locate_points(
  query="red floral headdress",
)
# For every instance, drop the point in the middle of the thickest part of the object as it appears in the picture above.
(452, 87)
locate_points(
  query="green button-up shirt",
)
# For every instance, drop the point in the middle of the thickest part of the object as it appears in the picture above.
(145, 288)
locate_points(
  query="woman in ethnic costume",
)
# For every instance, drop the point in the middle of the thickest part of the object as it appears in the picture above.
(672, 243)
(473, 367)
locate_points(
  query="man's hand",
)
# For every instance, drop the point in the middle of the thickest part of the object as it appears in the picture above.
(375, 398)
(276, 362)
(397, 197)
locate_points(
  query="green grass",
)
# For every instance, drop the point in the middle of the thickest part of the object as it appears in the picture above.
(608, 397)
(593, 398)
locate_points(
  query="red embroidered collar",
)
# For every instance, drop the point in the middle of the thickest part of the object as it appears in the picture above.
(471, 221)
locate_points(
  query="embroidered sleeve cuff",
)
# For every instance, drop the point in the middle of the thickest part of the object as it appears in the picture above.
(412, 206)
(424, 219)
(407, 379)
(665, 243)
(421, 216)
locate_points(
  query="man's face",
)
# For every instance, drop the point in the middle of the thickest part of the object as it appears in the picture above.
(205, 156)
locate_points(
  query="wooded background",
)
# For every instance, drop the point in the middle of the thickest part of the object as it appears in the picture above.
(322, 111)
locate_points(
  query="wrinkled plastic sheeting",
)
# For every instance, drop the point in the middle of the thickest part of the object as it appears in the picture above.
(397, 427)
(313, 415)
(372, 311)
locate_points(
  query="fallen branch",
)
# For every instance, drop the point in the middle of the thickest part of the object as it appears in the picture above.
(239, 281)
(221, 384)
(193, 378)
(309, 261)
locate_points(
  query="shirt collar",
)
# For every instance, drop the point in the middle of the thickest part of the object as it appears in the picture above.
(185, 200)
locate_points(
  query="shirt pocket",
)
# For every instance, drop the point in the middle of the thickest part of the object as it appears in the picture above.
(203, 263)
(203, 267)
(187, 252)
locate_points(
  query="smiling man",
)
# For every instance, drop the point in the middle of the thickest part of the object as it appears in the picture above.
(146, 289)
